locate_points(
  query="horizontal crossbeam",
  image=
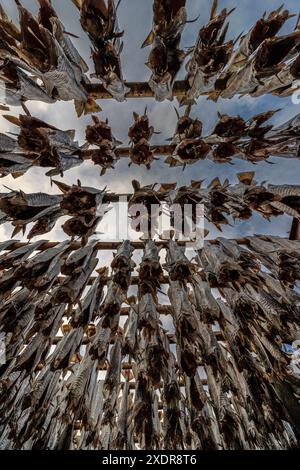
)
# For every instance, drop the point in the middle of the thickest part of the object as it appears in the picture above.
(109, 245)
(137, 90)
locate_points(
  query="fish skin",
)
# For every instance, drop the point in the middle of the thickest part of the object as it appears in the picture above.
(187, 327)
(105, 35)
(165, 58)
(100, 343)
(172, 426)
(140, 134)
(62, 355)
(112, 303)
(129, 343)
(177, 264)
(150, 271)
(45, 64)
(209, 58)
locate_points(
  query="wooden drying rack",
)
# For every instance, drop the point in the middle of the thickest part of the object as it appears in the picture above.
(137, 90)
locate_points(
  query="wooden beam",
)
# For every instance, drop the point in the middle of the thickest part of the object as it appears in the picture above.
(134, 280)
(124, 152)
(137, 90)
(87, 339)
(107, 245)
(295, 230)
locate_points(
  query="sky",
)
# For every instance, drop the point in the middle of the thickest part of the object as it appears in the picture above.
(135, 18)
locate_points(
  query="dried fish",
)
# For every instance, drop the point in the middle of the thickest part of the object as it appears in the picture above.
(144, 208)
(100, 134)
(122, 266)
(99, 20)
(140, 133)
(67, 347)
(150, 270)
(173, 432)
(209, 56)
(43, 48)
(187, 327)
(177, 264)
(166, 58)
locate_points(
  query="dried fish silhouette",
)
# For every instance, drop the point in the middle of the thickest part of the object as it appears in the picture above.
(23, 209)
(99, 20)
(140, 133)
(100, 135)
(209, 56)
(165, 59)
(42, 48)
(144, 208)
(46, 146)
(263, 62)
(150, 270)
(87, 207)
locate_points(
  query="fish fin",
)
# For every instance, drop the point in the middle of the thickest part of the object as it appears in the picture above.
(91, 107)
(68, 33)
(71, 133)
(17, 230)
(246, 177)
(214, 9)
(136, 185)
(25, 109)
(62, 186)
(166, 187)
(214, 183)
(77, 3)
(149, 39)
(224, 34)
(172, 161)
(196, 184)
(18, 174)
(79, 107)
(12, 119)
(35, 36)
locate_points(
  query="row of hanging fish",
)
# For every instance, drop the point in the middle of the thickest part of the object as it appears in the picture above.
(256, 63)
(233, 137)
(220, 201)
(222, 204)
(40, 62)
(41, 144)
(85, 206)
(203, 393)
(38, 59)
(38, 144)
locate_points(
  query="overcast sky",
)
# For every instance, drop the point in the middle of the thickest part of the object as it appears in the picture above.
(135, 17)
